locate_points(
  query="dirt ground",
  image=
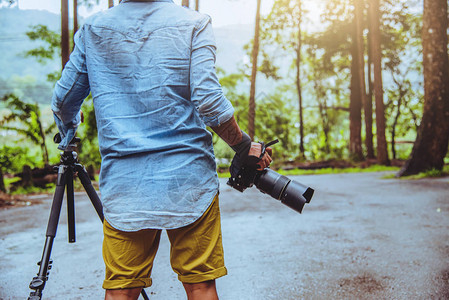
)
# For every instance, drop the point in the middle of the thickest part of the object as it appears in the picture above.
(361, 237)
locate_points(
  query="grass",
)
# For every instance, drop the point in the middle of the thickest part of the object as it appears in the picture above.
(434, 173)
(373, 168)
(33, 190)
(9, 181)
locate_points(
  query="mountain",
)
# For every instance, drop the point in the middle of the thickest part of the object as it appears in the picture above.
(14, 23)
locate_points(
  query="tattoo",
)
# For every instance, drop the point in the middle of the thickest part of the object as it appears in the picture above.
(229, 131)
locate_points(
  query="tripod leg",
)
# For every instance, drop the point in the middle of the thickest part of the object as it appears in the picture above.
(90, 190)
(93, 196)
(38, 283)
(70, 206)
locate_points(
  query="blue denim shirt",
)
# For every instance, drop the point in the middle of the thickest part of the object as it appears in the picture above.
(150, 66)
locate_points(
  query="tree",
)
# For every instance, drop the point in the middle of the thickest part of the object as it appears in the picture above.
(29, 115)
(343, 38)
(283, 27)
(401, 92)
(402, 51)
(197, 5)
(357, 84)
(111, 3)
(185, 3)
(65, 42)
(368, 107)
(375, 45)
(298, 18)
(75, 18)
(359, 6)
(51, 39)
(252, 91)
(431, 144)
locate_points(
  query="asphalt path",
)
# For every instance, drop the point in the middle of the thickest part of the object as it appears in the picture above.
(361, 237)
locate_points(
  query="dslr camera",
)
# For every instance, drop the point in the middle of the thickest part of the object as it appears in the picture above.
(291, 193)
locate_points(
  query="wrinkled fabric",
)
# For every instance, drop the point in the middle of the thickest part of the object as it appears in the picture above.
(150, 66)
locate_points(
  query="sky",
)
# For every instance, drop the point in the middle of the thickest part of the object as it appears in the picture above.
(223, 12)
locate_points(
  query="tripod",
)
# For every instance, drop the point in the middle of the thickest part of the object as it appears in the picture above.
(66, 171)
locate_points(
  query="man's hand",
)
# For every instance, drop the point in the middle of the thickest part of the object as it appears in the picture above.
(256, 151)
(248, 152)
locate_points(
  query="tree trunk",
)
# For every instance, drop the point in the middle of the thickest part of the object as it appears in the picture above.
(431, 143)
(395, 122)
(355, 113)
(65, 43)
(357, 86)
(111, 3)
(298, 85)
(252, 91)
(27, 176)
(322, 107)
(75, 18)
(367, 103)
(197, 5)
(2, 182)
(374, 14)
(368, 109)
(42, 136)
(185, 3)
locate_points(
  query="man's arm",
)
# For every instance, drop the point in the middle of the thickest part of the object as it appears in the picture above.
(70, 91)
(207, 95)
(230, 132)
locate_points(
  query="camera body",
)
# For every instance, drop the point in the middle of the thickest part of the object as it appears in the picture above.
(291, 193)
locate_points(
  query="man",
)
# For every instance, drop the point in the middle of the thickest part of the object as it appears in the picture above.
(150, 68)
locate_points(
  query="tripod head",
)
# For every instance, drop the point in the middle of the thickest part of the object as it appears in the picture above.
(72, 145)
(69, 156)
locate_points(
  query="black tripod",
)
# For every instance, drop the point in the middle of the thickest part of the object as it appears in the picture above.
(66, 170)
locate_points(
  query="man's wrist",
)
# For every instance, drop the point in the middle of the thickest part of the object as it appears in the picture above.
(242, 148)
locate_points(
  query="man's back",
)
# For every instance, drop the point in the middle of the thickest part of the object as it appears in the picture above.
(151, 74)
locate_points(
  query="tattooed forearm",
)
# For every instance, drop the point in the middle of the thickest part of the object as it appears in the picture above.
(229, 132)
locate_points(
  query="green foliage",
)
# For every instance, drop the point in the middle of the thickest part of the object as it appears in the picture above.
(27, 116)
(89, 153)
(325, 69)
(275, 116)
(50, 49)
(275, 119)
(52, 43)
(13, 158)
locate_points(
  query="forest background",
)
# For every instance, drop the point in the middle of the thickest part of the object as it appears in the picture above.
(333, 80)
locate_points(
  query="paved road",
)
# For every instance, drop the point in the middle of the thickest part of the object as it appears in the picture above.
(361, 237)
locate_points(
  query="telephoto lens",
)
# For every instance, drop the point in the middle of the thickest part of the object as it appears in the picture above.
(291, 193)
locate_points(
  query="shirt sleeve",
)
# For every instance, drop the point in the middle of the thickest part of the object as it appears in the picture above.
(70, 91)
(206, 91)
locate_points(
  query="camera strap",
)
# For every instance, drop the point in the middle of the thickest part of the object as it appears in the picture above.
(265, 146)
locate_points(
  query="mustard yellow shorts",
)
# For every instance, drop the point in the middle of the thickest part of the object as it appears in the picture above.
(196, 252)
